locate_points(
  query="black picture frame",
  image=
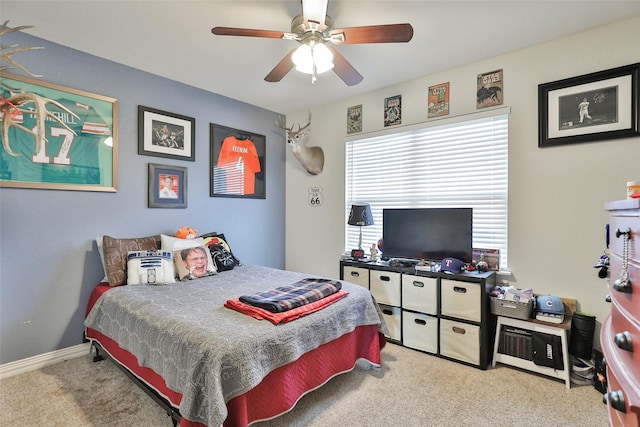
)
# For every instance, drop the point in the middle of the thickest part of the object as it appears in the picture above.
(237, 163)
(164, 134)
(176, 196)
(612, 110)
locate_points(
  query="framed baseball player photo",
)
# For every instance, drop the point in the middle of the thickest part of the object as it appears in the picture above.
(593, 107)
(237, 163)
(56, 137)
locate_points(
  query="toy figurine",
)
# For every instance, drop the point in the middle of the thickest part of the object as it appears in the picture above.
(374, 252)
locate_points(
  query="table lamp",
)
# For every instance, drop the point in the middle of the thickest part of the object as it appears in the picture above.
(360, 215)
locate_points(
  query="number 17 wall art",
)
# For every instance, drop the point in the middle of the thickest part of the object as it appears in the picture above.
(55, 137)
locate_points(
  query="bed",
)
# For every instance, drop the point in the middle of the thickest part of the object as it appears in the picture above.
(216, 366)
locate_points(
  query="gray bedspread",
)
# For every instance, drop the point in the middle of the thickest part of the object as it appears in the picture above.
(210, 353)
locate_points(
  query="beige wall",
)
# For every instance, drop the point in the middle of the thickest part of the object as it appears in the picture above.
(556, 195)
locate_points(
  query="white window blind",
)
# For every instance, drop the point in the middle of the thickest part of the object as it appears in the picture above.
(460, 164)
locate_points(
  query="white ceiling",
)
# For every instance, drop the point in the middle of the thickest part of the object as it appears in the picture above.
(173, 39)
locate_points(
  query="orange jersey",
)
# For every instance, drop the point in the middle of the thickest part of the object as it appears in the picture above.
(240, 157)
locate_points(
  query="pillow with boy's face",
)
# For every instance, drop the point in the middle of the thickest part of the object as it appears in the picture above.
(193, 263)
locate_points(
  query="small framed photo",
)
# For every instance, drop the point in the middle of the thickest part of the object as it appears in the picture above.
(593, 107)
(163, 134)
(237, 164)
(167, 186)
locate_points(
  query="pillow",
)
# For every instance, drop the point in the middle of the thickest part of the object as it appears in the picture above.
(221, 253)
(100, 246)
(193, 263)
(213, 238)
(150, 267)
(170, 243)
(115, 255)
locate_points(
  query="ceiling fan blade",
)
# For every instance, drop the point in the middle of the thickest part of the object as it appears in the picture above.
(248, 32)
(344, 69)
(392, 33)
(281, 70)
(314, 10)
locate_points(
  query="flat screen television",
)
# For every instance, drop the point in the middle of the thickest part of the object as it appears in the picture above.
(427, 233)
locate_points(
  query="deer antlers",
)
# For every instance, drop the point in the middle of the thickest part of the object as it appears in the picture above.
(11, 107)
(7, 50)
(281, 124)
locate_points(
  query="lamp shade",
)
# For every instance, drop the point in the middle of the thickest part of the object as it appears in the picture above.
(360, 215)
(307, 57)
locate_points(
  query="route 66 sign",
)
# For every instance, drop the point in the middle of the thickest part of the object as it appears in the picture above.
(315, 196)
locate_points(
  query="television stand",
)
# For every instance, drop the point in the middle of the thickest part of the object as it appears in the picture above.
(447, 315)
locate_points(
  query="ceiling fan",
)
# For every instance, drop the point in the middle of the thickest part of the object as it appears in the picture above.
(315, 32)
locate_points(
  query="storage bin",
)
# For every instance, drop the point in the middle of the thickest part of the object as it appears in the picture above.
(513, 309)
(462, 300)
(393, 318)
(460, 341)
(385, 287)
(420, 331)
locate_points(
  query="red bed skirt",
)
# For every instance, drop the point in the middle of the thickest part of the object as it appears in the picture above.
(281, 389)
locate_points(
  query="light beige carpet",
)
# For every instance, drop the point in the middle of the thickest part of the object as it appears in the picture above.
(411, 389)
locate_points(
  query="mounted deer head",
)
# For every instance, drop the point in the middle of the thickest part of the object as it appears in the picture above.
(311, 158)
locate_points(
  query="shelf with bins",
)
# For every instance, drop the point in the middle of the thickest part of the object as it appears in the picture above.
(442, 314)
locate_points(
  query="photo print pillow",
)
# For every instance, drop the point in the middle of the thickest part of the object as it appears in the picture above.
(193, 263)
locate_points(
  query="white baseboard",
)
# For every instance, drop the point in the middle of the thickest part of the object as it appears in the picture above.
(40, 361)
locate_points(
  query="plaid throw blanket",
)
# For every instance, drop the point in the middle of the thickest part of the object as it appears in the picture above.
(288, 297)
(285, 316)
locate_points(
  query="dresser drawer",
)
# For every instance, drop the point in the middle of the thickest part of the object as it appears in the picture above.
(461, 300)
(630, 301)
(619, 386)
(357, 275)
(393, 319)
(625, 220)
(625, 340)
(624, 223)
(420, 294)
(460, 341)
(385, 287)
(420, 331)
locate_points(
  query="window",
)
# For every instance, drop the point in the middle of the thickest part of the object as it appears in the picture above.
(446, 163)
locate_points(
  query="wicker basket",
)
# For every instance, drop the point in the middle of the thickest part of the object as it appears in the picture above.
(514, 309)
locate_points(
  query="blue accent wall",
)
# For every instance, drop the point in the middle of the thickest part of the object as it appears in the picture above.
(49, 262)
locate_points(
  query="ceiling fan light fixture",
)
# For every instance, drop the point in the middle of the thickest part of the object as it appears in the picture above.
(305, 57)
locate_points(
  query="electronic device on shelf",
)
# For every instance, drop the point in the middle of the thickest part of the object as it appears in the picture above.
(428, 233)
(402, 262)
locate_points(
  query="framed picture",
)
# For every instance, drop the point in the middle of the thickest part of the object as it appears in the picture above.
(56, 137)
(164, 134)
(438, 100)
(592, 107)
(489, 89)
(237, 163)
(354, 119)
(167, 186)
(393, 110)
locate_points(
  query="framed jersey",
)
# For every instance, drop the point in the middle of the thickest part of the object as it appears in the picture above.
(55, 137)
(237, 163)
